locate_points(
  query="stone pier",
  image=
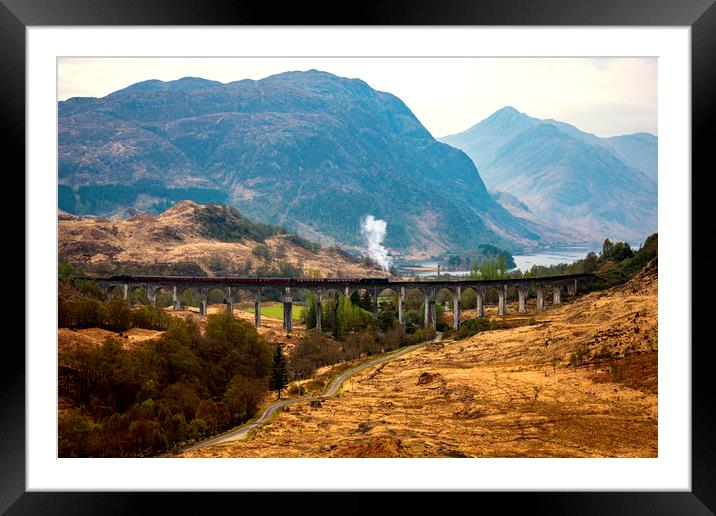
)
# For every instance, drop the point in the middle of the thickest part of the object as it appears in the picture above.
(203, 304)
(556, 295)
(522, 294)
(572, 288)
(540, 296)
(176, 302)
(318, 313)
(480, 293)
(433, 315)
(257, 313)
(430, 313)
(426, 312)
(288, 316)
(456, 310)
(401, 300)
(287, 310)
(229, 300)
(502, 303)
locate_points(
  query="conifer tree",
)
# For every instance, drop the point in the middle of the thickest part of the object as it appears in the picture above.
(279, 372)
(309, 311)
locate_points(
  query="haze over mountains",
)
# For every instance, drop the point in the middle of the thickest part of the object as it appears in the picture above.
(316, 153)
(555, 173)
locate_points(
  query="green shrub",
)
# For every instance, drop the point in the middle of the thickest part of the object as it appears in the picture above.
(119, 315)
(297, 390)
(263, 252)
(579, 356)
(472, 327)
(304, 243)
(150, 318)
(314, 350)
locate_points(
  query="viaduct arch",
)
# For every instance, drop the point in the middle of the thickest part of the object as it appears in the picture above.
(320, 287)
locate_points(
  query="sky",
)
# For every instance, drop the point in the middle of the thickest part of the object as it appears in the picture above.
(604, 96)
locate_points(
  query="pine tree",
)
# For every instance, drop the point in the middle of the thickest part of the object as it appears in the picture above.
(309, 311)
(279, 372)
(502, 265)
(345, 316)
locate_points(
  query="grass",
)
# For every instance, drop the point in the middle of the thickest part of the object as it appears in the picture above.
(334, 375)
(275, 310)
(361, 361)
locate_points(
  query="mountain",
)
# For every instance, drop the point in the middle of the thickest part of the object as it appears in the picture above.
(481, 141)
(484, 139)
(192, 239)
(551, 172)
(638, 150)
(307, 150)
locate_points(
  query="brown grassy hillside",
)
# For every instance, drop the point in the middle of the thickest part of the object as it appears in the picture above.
(193, 239)
(580, 382)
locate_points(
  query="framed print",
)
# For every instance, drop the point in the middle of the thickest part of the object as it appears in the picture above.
(415, 252)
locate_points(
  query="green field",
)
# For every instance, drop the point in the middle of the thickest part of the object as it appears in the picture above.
(275, 310)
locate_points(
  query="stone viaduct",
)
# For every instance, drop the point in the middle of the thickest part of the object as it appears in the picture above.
(321, 287)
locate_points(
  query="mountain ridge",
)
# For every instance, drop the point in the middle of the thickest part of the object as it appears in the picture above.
(566, 178)
(308, 150)
(619, 144)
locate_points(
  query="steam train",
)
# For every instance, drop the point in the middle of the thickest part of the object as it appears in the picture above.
(248, 280)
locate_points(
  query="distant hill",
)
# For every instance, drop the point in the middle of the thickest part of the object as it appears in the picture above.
(549, 171)
(307, 150)
(197, 240)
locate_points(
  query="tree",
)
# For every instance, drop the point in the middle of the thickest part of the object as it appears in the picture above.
(607, 250)
(65, 272)
(345, 316)
(279, 372)
(328, 314)
(366, 301)
(502, 265)
(488, 270)
(309, 311)
(590, 262)
(119, 315)
(622, 251)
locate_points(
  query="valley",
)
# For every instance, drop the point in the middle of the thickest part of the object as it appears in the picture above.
(505, 393)
(490, 293)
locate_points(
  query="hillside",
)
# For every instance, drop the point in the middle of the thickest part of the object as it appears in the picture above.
(196, 240)
(307, 150)
(579, 382)
(551, 172)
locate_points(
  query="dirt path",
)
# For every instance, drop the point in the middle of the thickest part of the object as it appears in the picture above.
(518, 392)
(242, 431)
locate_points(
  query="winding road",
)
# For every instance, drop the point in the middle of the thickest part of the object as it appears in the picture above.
(242, 431)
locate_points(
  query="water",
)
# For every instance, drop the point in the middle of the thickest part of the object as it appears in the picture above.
(549, 257)
(524, 261)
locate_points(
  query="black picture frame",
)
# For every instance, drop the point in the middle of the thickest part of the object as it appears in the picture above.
(16, 15)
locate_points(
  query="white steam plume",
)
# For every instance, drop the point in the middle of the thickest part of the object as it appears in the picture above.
(374, 232)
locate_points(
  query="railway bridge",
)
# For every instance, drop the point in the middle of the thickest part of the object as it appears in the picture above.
(256, 288)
